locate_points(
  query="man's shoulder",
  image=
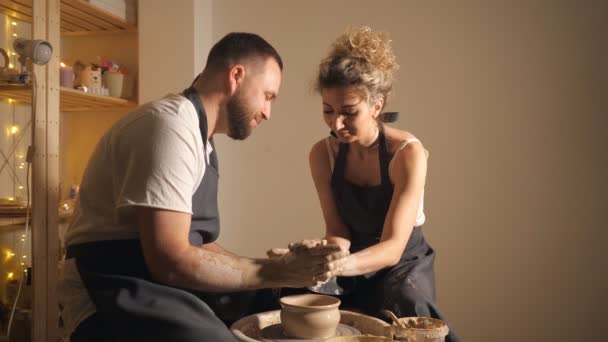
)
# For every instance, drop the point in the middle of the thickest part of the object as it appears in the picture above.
(171, 110)
(171, 105)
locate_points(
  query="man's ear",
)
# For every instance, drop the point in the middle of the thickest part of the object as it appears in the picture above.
(236, 75)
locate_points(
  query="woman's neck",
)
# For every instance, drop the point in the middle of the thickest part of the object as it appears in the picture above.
(369, 143)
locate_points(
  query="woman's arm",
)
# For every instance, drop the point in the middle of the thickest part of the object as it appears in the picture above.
(409, 175)
(336, 231)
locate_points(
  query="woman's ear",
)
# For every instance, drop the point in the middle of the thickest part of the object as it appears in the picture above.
(236, 75)
(378, 105)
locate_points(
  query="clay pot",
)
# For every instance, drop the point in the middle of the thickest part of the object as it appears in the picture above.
(420, 329)
(310, 316)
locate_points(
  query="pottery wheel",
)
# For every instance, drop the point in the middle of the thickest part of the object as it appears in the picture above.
(276, 333)
(266, 326)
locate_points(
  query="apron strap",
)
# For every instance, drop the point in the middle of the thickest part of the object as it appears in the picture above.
(191, 94)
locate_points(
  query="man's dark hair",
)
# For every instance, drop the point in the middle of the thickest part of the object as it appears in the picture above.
(235, 47)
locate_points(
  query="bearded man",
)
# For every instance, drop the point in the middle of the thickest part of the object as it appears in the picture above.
(141, 261)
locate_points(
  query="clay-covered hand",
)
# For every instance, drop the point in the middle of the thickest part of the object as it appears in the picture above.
(294, 246)
(307, 244)
(298, 246)
(277, 252)
(307, 263)
(320, 246)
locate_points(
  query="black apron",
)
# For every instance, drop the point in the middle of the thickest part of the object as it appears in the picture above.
(130, 305)
(408, 288)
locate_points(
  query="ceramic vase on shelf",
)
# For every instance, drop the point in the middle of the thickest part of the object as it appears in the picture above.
(114, 82)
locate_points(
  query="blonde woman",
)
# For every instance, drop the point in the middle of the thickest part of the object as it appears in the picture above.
(370, 181)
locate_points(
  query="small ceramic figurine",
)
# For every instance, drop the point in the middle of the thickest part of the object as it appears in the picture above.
(87, 75)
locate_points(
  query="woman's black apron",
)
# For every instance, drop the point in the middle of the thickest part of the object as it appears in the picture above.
(133, 307)
(408, 288)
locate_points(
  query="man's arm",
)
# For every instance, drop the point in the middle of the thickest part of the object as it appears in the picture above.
(172, 260)
(215, 247)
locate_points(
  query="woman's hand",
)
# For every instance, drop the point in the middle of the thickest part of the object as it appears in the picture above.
(307, 262)
(300, 246)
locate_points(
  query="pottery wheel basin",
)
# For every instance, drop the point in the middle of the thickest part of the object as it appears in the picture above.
(266, 326)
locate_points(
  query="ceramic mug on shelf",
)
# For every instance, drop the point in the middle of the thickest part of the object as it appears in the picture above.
(114, 82)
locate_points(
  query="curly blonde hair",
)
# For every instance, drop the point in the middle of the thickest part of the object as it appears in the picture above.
(360, 58)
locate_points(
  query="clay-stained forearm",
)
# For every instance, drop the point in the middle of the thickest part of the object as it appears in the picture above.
(204, 270)
(371, 259)
(215, 247)
(200, 269)
(338, 240)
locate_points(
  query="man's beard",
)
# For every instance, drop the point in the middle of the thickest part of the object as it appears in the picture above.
(239, 117)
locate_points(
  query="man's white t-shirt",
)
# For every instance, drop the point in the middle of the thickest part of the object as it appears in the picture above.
(152, 157)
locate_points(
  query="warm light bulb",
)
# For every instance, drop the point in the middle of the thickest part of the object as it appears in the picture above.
(10, 276)
(11, 100)
(22, 240)
(22, 264)
(23, 235)
(11, 198)
(62, 64)
(13, 129)
(9, 254)
(25, 256)
(20, 187)
(11, 66)
(14, 35)
(14, 53)
(14, 23)
(21, 167)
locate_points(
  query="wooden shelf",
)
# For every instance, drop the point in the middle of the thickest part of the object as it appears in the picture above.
(71, 100)
(78, 17)
(19, 221)
(11, 221)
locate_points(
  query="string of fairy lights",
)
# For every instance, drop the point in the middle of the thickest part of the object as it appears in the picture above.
(13, 162)
(13, 54)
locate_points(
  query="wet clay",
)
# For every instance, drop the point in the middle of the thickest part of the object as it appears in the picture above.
(420, 329)
(421, 323)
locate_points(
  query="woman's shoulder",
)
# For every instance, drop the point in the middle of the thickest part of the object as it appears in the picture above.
(324, 146)
(396, 138)
(322, 156)
(404, 152)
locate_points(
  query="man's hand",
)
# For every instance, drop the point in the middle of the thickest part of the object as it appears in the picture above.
(308, 262)
(276, 252)
(308, 244)
(298, 246)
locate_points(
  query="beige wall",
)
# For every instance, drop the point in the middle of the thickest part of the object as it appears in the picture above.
(173, 40)
(166, 34)
(508, 98)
